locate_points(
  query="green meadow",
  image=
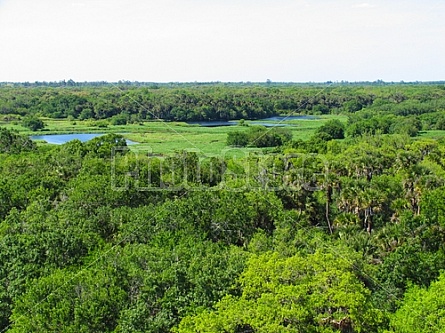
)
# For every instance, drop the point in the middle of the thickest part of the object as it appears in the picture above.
(165, 137)
(161, 137)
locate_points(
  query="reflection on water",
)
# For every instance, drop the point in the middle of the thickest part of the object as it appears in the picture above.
(59, 139)
(212, 123)
(283, 118)
(270, 124)
(262, 122)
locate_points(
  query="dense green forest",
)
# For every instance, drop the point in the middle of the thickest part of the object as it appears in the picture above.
(218, 101)
(344, 232)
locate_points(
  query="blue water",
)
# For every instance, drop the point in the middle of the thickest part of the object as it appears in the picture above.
(60, 139)
(262, 122)
(285, 118)
(212, 123)
(269, 124)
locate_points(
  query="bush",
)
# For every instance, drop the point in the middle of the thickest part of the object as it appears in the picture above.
(119, 120)
(33, 123)
(333, 129)
(237, 139)
(410, 126)
(100, 123)
(259, 136)
(86, 114)
(14, 143)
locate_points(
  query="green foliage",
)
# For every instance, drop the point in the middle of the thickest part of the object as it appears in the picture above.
(318, 235)
(184, 102)
(107, 146)
(137, 288)
(13, 143)
(259, 136)
(422, 309)
(119, 120)
(33, 123)
(85, 301)
(333, 129)
(86, 113)
(368, 125)
(313, 293)
(433, 206)
(167, 284)
(237, 139)
(410, 126)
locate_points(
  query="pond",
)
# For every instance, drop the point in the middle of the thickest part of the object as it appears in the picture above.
(286, 118)
(259, 123)
(213, 123)
(267, 122)
(59, 139)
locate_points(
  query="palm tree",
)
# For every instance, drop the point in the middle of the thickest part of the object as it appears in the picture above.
(416, 179)
(330, 182)
(371, 203)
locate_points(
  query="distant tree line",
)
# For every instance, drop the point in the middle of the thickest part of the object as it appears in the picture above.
(128, 103)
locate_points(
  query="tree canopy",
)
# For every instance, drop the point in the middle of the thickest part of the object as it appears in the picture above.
(343, 231)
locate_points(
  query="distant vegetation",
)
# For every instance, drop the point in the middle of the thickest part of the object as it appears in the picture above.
(128, 103)
(259, 136)
(33, 123)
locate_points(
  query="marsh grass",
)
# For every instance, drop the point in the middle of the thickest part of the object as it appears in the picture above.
(160, 137)
(433, 134)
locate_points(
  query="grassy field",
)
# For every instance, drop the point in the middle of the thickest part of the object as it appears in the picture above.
(167, 137)
(434, 134)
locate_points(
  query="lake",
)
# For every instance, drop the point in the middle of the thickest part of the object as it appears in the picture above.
(60, 139)
(285, 118)
(262, 122)
(212, 123)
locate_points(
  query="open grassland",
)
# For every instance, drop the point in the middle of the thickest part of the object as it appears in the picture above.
(167, 137)
(160, 137)
(434, 134)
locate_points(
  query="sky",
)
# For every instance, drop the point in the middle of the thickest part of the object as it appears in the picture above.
(222, 40)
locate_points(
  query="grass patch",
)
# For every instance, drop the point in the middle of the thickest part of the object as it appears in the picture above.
(434, 134)
(167, 137)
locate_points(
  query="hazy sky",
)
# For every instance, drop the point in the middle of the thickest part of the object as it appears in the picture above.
(222, 40)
